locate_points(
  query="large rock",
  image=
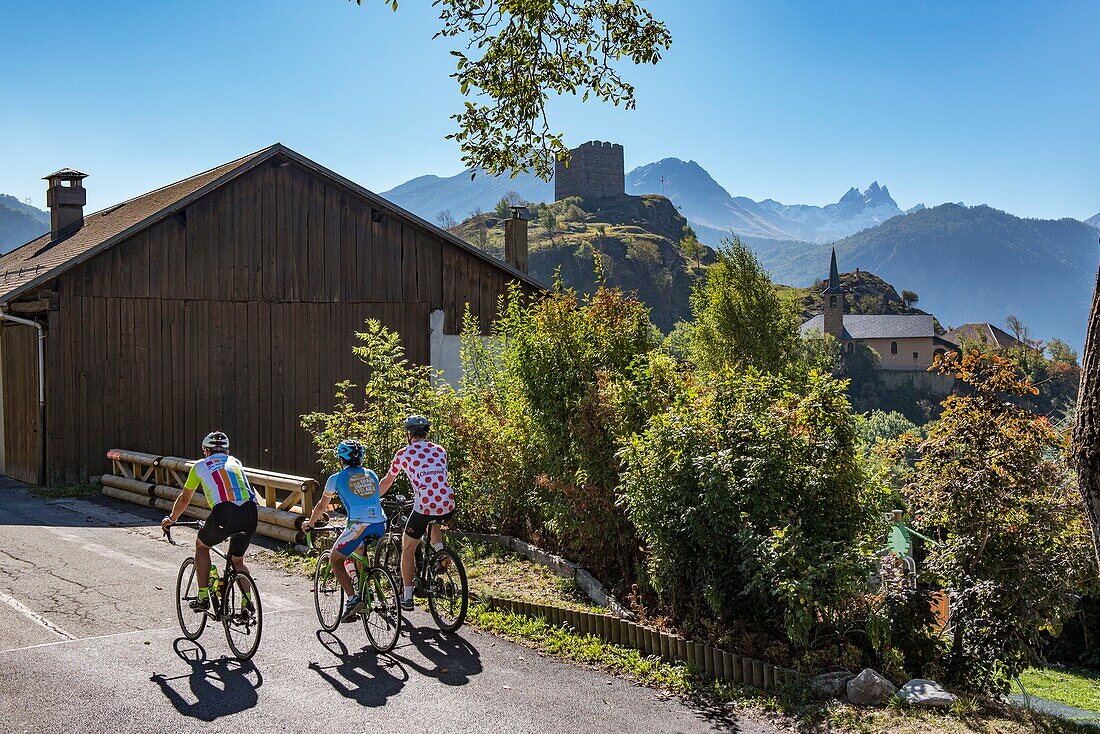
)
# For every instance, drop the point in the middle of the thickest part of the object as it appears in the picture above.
(927, 693)
(869, 689)
(832, 685)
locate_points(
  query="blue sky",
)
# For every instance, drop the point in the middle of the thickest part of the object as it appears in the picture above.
(981, 102)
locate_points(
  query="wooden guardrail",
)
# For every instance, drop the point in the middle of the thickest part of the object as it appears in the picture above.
(710, 660)
(156, 481)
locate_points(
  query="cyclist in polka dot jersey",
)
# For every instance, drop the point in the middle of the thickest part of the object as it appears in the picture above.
(425, 464)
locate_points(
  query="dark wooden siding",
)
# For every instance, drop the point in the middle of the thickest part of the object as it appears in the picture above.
(241, 316)
(19, 362)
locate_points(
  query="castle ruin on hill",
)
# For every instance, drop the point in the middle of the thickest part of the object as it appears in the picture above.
(595, 171)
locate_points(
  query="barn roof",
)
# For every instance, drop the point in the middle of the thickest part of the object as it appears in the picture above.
(42, 259)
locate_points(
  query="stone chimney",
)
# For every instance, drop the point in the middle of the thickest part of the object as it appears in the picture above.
(515, 239)
(66, 197)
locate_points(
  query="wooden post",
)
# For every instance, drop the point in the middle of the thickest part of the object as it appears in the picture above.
(758, 674)
(727, 666)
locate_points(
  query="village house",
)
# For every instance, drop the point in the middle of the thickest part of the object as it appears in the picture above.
(229, 301)
(902, 341)
(984, 333)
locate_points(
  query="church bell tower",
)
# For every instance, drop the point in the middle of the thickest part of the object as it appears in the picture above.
(834, 302)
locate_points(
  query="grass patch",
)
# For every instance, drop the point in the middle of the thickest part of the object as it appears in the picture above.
(290, 560)
(86, 489)
(495, 571)
(1073, 687)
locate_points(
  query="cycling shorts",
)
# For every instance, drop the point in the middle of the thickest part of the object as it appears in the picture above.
(356, 534)
(226, 519)
(418, 523)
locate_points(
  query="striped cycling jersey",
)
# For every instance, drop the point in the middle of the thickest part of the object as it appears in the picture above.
(222, 480)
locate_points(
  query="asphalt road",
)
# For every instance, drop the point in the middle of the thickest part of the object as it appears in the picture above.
(89, 642)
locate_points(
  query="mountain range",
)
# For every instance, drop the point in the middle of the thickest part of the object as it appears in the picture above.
(1094, 220)
(967, 264)
(19, 222)
(712, 211)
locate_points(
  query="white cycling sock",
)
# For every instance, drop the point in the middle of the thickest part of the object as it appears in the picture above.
(438, 546)
(408, 593)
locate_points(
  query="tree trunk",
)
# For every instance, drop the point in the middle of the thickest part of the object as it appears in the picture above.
(1086, 428)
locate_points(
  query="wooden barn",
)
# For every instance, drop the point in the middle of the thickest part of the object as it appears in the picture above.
(227, 300)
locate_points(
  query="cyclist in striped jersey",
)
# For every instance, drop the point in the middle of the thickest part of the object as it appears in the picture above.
(232, 510)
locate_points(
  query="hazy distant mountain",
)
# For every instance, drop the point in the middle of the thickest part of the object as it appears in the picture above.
(709, 207)
(460, 195)
(1094, 220)
(20, 223)
(714, 212)
(966, 264)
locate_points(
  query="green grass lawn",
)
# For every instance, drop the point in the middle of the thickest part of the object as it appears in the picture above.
(1073, 687)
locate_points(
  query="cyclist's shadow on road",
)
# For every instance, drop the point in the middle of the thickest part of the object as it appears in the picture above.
(220, 687)
(451, 659)
(365, 677)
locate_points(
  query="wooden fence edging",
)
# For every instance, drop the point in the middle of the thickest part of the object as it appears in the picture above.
(709, 660)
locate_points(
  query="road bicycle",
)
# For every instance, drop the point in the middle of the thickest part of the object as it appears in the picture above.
(243, 623)
(381, 612)
(442, 578)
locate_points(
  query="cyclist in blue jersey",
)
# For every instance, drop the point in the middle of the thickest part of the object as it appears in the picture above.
(359, 493)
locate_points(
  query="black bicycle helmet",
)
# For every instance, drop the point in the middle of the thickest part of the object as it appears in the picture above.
(417, 425)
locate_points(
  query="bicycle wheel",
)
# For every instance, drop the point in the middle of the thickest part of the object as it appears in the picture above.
(387, 554)
(187, 588)
(242, 625)
(382, 613)
(328, 596)
(448, 595)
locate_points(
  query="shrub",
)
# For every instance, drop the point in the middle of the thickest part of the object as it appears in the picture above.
(989, 484)
(494, 427)
(749, 496)
(571, 359)
(393, 390)
(738, 319)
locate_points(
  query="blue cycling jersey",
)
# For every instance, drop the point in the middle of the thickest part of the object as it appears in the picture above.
(358, 491)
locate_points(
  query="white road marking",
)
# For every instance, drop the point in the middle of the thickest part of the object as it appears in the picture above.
(34, 616)
(84, 639)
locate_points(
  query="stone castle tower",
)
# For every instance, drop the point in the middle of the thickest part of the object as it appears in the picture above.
(834, 302)
(596, 171)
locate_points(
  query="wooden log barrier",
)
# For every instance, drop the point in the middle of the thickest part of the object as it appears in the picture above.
(282, 518)
(298, 493)
(152, 499)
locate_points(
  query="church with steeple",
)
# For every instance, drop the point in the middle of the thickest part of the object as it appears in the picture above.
(902, 341)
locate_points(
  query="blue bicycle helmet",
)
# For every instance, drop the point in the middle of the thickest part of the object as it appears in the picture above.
(350, 451)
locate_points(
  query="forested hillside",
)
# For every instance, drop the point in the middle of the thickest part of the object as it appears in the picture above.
(967, 264)
(19, 222)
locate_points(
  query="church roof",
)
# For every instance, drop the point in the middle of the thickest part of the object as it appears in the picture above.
(890, 326)
(834, 277)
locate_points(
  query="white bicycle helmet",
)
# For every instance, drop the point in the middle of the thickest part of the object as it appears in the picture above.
(216, 441)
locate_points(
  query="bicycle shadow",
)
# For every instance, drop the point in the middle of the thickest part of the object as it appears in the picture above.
(366, 677)
(220, 687)
(453, 660)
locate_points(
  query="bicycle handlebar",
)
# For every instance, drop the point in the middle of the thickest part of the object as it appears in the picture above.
(320, 529)
(183, 523)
